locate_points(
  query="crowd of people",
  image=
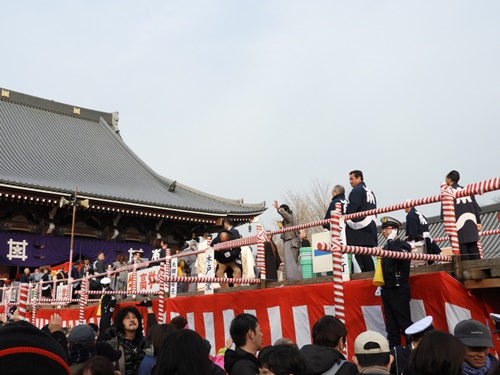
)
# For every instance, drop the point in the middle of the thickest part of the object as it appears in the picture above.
(175, 349)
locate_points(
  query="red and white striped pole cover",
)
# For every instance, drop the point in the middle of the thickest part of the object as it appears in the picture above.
(450, 223)
(261, 255)
(338, 282)
(161, 299)
(23, 300)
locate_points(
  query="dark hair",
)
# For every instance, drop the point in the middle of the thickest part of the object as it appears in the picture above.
(156, 336)
(229, 221)
(454, 176)
(240, 326)
(368, 360)
(172, 359)
(283, 360)
(286, 208)
(179, 322)
(357, 173)
(122, 314)
(438, 353)
(157, 243)
(328, 330)
(97, 365)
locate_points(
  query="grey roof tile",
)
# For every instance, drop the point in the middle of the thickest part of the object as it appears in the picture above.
(48, 149)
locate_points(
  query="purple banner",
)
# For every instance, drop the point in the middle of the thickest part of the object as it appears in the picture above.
(28, 250)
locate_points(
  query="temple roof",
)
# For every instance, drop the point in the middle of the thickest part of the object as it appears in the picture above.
(50, 146)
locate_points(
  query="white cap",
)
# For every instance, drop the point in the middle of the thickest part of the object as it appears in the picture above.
(496, 319)
(371, 342)
(105, 281)
(419, 328)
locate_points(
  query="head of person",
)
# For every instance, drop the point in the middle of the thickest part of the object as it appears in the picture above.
(477, 340)
(157, 243)
(29, 350)
(81, 338)
(228, 224)
(329, 331)
(438, 353)
(286, 208)
(303, 234)
(46, 270)
(179, 322)
(136, 254)
(452, 178)
(388, 224)
(105, 281)
(224, 236)
(172, 360)
(338, 190)
(282, 360)
(192, 245)
(285, 341)
(36, 270)
(408, 209)
(156, 336)
(419, 329)
(121, 258)
(372, 349)
(355, 177)
(26, 271)
(97, 365)
(86, 261)
(245, 332)
(129, 321)
(100, 256)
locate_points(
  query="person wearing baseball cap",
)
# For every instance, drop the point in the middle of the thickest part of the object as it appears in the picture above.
(372, 354)
(396, 289)
(477, 340)
(81, 341)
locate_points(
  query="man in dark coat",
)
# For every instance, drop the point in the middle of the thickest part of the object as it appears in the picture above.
(417, 229)
(338, 196)
(324, 355)
(362, 231)
(396, 290)
(228, 259)
(247, 337)
(468, 220)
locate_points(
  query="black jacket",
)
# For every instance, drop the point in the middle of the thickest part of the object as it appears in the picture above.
(361, 231)
(396, 271)
(340, 198)
(320, 359)
(240, 362)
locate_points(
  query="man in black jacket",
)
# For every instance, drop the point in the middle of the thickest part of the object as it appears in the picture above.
(324, 355)
(361, 231)
(396, 290)
(247, 336)
(228, 259)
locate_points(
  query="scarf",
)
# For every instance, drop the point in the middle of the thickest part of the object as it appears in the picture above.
(469, 370)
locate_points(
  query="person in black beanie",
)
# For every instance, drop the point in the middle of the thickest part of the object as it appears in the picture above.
(24, 349)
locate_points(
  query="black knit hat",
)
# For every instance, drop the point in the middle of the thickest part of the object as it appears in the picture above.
(24, 349)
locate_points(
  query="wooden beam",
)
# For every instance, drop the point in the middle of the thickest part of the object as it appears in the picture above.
(482, 284)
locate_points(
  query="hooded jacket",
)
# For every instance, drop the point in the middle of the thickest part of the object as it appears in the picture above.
(320, 359)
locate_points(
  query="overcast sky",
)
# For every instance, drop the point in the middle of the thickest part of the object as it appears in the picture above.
(251, 99)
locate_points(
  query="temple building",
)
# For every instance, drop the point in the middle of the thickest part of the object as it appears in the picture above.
(49, 151)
